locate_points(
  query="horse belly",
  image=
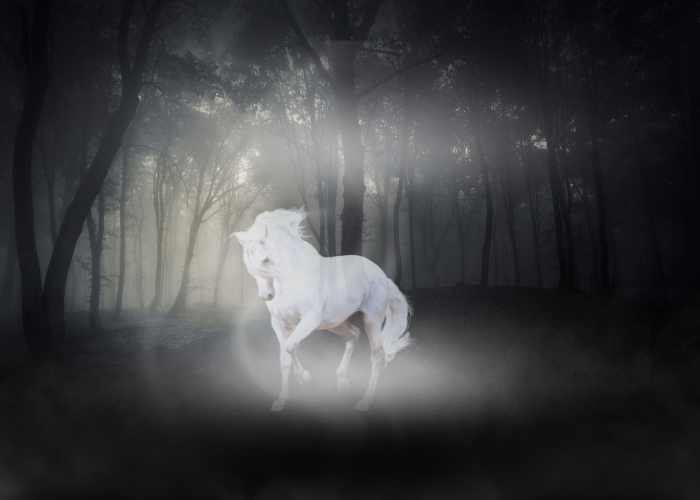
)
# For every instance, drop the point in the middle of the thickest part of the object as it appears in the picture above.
(335, 313)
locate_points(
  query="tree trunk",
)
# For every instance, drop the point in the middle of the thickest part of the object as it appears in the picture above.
(159, 208)
(69, 182)
(399, 192)
(225, 242)
(138, 253)
(685, 21)
(592, 98)
(496, 262)
(510, 217)
(411, 230)
(527, 167)
(462, 252)
(169, 258)
(554, 184)
(8, 278)
(602, 216)
(57, 272)
(122, 226)
(311, 86)
(33, 45)
(505, 260)
(50, 174)
(544, 68)
(431, 265)
(343, 55)
(220, 268)
(384, 218)
(242, 282)
(74, 290)
(96, 244)
(475, 125)
(651, 226)
(426, 227)
(595, 275)
(332, 186)
(613, 252)
(180, 303)
(320, 190)
(566, 205)
(383, 206)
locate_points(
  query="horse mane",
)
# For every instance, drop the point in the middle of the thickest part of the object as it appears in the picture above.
(266, 230)
(290, 222)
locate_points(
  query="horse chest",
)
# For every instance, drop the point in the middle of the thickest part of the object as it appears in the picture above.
(289, 316)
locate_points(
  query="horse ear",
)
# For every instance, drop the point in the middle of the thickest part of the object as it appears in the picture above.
(242, 237)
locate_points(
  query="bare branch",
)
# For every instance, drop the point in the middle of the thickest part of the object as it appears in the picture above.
(154, 85)
(166, 156)
(305, 43)
(168, 23)
(272, 52)
(404, 69)
(380, 51)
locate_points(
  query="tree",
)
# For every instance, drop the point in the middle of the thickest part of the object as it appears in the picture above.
(43, 309)
(235, 204)
(405, 132)
(122, 209)
(346, 35)
(544, 27)
(507, 186)
(475, 124)
(35, 56)
(165, 179)
(217, 151)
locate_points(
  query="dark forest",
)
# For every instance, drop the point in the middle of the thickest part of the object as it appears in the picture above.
(525, 171)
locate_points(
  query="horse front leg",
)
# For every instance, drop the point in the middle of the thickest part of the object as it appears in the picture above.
(308, 324)
(285, 364)
(350, 334)
(374, 332)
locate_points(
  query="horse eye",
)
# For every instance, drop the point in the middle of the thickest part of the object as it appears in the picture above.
(266, 260)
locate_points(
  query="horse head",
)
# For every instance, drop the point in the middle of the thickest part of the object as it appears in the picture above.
(264, 255)
(257, 255)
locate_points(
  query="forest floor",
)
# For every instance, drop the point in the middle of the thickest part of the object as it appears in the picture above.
(507, 393)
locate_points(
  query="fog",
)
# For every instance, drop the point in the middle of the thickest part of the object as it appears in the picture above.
(237, 94)
(533, 164)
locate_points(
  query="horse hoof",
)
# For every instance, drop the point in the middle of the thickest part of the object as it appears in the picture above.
(277, 406)
(343, 387)
(305, 378)
(362, 406)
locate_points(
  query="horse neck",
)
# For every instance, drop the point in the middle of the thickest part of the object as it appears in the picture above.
(296, 255)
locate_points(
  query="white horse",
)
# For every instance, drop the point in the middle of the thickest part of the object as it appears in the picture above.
(305, 292)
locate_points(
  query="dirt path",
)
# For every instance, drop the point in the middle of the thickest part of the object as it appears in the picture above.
(507, 393)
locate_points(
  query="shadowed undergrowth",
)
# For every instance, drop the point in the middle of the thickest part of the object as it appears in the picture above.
(507, 393)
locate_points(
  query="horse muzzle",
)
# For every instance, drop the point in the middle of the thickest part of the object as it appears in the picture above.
(267, 296)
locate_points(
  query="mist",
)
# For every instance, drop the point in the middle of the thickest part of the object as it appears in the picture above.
(524, 171)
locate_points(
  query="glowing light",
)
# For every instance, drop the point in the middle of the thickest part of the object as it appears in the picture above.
(421, 381)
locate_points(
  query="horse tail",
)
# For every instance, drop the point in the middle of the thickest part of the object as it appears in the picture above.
(395, 335)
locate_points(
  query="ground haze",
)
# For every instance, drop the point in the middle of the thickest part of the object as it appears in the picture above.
(507, 393)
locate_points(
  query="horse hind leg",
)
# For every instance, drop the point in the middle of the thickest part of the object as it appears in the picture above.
(374, 332)
(350, 334)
